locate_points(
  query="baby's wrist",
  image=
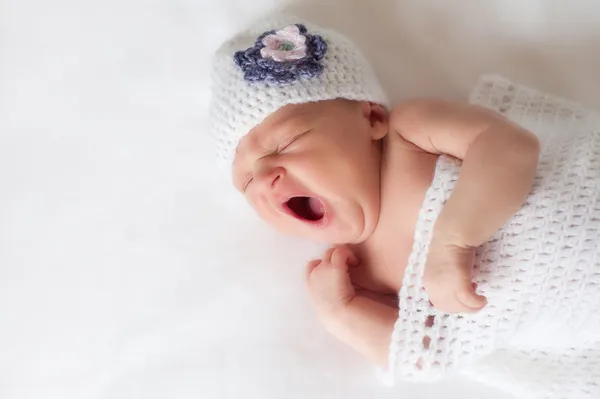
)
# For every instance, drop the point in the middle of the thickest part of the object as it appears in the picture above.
(348, 319)
(366, 325)
(332, 314)
(449, 231)
(334, 318)
(341, 323)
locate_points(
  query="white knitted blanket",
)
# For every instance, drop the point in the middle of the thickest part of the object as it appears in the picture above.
(539, 335)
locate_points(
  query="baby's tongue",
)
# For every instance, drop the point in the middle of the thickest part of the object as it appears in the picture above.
(316, 207)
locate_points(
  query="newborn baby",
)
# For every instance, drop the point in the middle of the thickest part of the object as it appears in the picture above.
(313, 146)
(348, 173)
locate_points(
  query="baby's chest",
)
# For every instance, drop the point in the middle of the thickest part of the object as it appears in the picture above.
(384, 255)
(405, 177)
(382, 264)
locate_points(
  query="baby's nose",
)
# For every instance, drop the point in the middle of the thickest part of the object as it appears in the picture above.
(268, 178)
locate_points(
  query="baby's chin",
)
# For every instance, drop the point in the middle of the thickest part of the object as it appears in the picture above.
(347, 233)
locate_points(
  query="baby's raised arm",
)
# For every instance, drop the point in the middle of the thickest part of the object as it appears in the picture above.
(498, 168)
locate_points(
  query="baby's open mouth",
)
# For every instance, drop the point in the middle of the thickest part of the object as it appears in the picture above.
(306, 208)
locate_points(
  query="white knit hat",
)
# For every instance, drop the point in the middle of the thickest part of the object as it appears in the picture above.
(281, 61)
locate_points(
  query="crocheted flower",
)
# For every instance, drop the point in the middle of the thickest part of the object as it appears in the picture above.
(283, 56)
(284, 45)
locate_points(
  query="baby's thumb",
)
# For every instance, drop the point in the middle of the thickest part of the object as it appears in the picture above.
(343, 257)
(469, 298)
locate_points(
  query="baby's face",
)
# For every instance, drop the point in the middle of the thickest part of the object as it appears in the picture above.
(314, 169)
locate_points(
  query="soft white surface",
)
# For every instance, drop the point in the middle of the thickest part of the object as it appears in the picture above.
(126, 270)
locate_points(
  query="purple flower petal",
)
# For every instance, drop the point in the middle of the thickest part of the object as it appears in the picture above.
(270, 59)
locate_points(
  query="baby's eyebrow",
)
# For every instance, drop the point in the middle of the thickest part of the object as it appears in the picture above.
(292, 126)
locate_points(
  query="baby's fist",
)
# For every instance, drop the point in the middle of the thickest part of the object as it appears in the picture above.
(448, 278)
(329, 281)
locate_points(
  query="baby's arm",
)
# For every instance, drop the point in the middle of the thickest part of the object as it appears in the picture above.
(499, 164)
(361, 320)
(367, 325)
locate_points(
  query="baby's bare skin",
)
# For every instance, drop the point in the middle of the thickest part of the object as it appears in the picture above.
(349, 174)
(406, 173)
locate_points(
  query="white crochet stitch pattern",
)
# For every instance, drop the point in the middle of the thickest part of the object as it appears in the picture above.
(539, 335)
(238, 105)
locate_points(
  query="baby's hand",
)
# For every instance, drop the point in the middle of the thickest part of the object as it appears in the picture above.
(329, 282)
(448, 277)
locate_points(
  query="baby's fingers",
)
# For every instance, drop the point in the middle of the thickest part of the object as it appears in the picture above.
(470, 301)
(343, 257)
(329, 254)
(310, 266)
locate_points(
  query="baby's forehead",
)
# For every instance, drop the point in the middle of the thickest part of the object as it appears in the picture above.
(289, 120)
(299, 113)
(294, 112)
(284, 119)
(275, 127)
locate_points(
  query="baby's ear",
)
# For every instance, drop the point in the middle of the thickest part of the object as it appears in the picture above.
(378, 119)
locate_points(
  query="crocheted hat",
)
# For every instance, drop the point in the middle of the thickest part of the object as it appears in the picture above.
(281, 61)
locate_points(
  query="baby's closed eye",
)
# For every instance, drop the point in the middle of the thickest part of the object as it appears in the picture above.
(247, 181)
(286, 143)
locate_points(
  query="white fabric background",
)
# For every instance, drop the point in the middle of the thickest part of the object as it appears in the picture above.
(127, 270)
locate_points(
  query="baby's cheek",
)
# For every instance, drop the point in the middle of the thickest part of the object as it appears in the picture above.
(269, 215)
(261, 212)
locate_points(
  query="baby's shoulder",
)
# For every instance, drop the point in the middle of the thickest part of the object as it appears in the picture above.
(403, 157)
(414, 113)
